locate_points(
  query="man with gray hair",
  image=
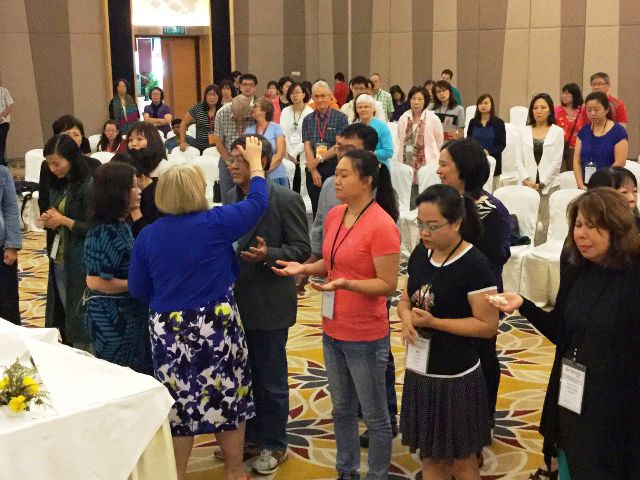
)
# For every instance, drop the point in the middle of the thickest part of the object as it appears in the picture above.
(319, 132)
(381, 95)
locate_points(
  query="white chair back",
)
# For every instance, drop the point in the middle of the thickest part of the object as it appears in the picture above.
(567, 180)
(558, 203)
(402, 179)
(488, 186)
(189, 154)
(633, 167)
(191, 130)
(523, 202)
(170, 134)
(427, 176)
(211, 152)
(511, 156)
(393, 128)
(94, 140)
(518, 116)
(469, 113)
(103, 157)
(32, 163)
(290, 167)
(209, 166)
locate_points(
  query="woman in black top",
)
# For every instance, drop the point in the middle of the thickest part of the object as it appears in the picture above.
(400, 102)
(488, 129)
(595, 326)
(444, 402)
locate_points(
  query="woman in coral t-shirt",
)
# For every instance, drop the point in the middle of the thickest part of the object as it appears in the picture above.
(360, 262)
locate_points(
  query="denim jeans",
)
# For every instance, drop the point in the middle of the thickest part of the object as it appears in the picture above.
(356, 371)
(268, 364)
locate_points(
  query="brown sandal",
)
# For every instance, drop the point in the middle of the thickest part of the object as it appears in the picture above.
(541, 474)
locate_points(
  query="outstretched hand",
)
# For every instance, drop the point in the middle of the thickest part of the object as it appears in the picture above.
(506, 302)
(289, 269)
(256, 254)
(338, 283)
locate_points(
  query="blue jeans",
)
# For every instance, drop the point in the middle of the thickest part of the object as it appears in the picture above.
(356, 371)
(268, 364)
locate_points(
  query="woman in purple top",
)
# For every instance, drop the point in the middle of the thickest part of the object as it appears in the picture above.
(158, 113)
(601, 144)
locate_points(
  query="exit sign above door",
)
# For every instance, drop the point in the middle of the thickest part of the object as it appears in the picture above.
(174, 30)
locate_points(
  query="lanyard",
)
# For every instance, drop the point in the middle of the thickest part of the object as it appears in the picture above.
(424, 294)
(334, 249)
(295, 121)
(211, 120)
(323, 129)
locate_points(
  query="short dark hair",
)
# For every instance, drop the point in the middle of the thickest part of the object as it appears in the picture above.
(551, 119)
(266, 106)
(305, 92)
(110, 192)
(249, 76)
(66, 122)
(339, 76)
(117, 82)
(576, 94)
(154, 141)
(176, 121)
(359, 80)
(607, 210)
(601, 75)
(472, 164)
(272, 83)
(235, 73)
(211, 88)
(64, 146)
(397, 89)
(454, 207)
(367, 165)
(448, 72)
(158, 89)
(443, 85)
(367, 134)
(267, 149)
(229, 84)
(418, 89)
(613, 177)
(482, 98)
(602, 99)
(281, 83)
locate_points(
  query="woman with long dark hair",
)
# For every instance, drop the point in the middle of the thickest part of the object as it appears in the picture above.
(360, 262)
(204, 115)
(110, 139)
(569, 118)
(444, 402)
(488, 129)
(65, 220)
(115, 321)
(123, 108)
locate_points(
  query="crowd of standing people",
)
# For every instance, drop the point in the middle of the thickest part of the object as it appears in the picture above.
(212, 324)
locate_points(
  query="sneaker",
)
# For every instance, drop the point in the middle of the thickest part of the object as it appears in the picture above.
(269, 461)
(250, 450)
(364, 438)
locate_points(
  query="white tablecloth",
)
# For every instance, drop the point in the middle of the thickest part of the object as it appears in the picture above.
(102, 419)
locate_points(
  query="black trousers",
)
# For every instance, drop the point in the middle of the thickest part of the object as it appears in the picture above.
(4, 131)
(486, 348)
(9, 304)
(326, 170)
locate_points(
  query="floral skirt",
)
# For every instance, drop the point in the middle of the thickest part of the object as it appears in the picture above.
(200, 355)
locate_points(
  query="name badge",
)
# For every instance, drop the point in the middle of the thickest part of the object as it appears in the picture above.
(417, 358)
(572, 378)
(55, 246)
(408, 148)
(295, 138)
(328, 300)
(321, 149)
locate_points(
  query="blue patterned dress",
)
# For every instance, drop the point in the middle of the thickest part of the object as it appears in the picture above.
(116, 323)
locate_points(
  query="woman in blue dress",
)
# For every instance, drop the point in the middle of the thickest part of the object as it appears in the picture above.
(116, 322)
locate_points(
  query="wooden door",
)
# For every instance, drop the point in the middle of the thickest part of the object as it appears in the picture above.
(180, 60)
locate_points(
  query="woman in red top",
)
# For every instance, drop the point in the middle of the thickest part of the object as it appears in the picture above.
(569, 119)
(360, 262)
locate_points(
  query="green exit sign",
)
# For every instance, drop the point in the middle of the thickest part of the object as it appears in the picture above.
(174, 30)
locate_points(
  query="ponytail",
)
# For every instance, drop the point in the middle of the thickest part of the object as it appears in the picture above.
(471, 229)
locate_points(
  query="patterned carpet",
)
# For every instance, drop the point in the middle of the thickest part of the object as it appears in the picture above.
(525, 357)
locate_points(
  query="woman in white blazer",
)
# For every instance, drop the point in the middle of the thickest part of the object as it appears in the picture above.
(541, 147)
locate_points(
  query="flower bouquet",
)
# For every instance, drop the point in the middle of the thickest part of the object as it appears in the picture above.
(19, 388)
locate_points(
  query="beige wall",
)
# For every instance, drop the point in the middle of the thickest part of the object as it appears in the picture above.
(509, 48)
(53, 61)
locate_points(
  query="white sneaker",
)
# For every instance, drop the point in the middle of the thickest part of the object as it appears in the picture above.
(269, 461)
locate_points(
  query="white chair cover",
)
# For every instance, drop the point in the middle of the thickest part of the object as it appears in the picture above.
(518, 116)
(93, 142)
(209, 166)
(170, 134)
(541, 265)
(511, 157)
(32, 162)
(191, 130)
(634, 168)
(211, 152)
(469, 113)
(290, 167)
(409, 235)
(427, 176)
(523, 202)
(488, 186)
(402, 179)
(393, 128)
(189, 154)
(103, 157)
(567, 180)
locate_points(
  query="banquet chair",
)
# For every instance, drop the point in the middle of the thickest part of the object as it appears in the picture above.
(191, 130)
(189, 154)
(211, 152)
(290, 167)
(523, 202)
(393, 128)
(540, 278)
(32, 162)
(170, 134)
(402, 179)
(469, 113)
(518, 116)
(103, 157)
(511, 156)
(488, 185)
(427, 176)
(567, 180)
(94, 140)
(634, 168)
(209, 165)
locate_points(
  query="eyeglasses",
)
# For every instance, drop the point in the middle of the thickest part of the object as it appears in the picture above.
(427, 226)
(245, 84)
(346, 148)
(598, 84)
